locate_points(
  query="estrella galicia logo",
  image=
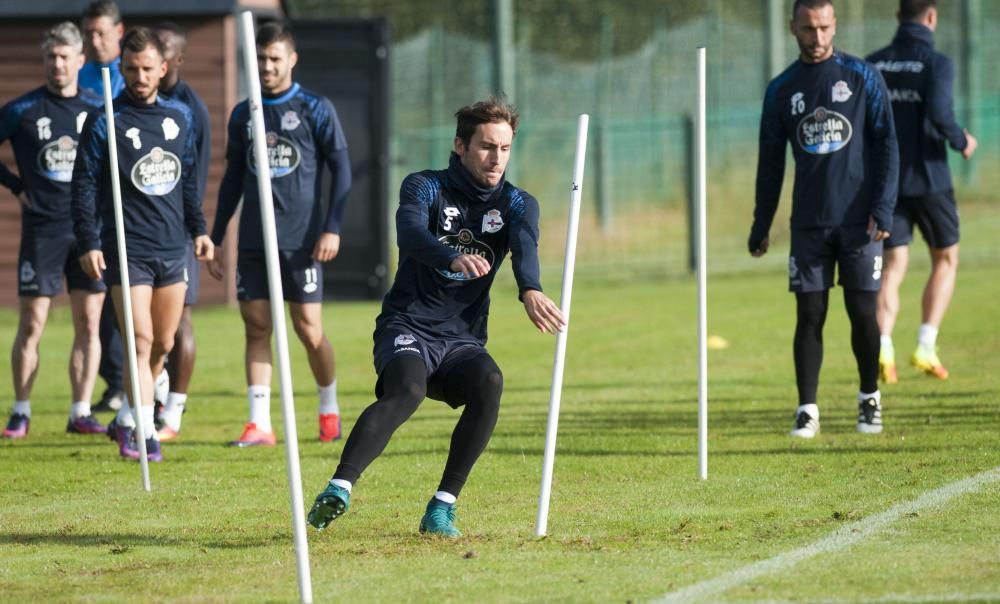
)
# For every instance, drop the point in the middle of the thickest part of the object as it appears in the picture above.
(55, 160)
(824, 131)
(282, 155)
(466, 243)
(157, 173)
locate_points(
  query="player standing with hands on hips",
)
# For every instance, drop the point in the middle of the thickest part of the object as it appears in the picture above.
(454, 228)
(835, 110)
(161, 211)
(920, 81)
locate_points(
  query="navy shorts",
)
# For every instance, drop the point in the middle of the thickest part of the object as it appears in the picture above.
(439, 353)
(192, 274)
(43, 261)
(851, 248)
(155, 272)
(301, 276)
(935, 214)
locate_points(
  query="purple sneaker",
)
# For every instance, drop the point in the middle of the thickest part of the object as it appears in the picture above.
(85, 425)
(130, 448)
(17, 426)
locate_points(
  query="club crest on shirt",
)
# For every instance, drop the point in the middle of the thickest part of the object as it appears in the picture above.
(841, 92)
(157, 172)
(466, 243)
(492, 222)
(282, 155)
(170, 128)
(290, 120)
(823, 131)
(404, 340)
(55, 160)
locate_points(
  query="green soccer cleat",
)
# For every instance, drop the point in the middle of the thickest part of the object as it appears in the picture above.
(439, 519)
(926, 360)
(329, 505)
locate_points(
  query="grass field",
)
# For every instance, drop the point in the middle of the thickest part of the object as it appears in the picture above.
(629, 519)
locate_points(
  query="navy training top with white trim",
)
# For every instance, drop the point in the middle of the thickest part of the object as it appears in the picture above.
(44, 130)
(303, 130)
(201, 122)
(159, 183)
(838, 118)
(920, 83)
(443, 214)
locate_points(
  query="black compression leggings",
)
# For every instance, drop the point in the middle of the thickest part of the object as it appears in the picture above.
(476, 382)
(808, 345)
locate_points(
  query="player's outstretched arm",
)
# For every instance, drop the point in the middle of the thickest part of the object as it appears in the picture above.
(542, 311)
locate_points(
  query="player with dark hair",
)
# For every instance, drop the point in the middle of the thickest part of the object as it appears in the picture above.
(920, 84)
(43, 127)
(835, 110)
(161, 210)
(454, 228)
(180, 363)
(303, 134)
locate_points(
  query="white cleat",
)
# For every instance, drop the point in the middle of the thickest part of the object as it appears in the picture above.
(806, 426)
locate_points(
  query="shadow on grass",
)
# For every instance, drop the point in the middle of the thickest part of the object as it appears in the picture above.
(118, 543)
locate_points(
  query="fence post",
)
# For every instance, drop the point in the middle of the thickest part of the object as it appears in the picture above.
(972, 59)
(603, 146)
(774, 24)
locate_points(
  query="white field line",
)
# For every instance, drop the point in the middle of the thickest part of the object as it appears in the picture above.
(922, 599)
(839, 539)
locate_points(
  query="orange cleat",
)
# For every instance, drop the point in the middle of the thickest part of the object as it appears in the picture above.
(329, 427)
(252, 437)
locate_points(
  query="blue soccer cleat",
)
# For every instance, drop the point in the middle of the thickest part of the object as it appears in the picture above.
(439, 519)
(329, 505)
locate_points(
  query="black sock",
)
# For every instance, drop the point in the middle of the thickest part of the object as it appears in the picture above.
(864, 335)
(811, 310)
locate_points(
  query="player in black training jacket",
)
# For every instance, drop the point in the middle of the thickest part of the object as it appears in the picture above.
(834, 108)
(161, 210)
(920, 80)
(43, 127)
(454, 228)
(180, 362)
(303, 134)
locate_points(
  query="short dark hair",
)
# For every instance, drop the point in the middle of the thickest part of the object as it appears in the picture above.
(139, 39)
(810, 4)
(171, 28)
(493, 110)
(274, 31)
(911, 10)
(103, 8)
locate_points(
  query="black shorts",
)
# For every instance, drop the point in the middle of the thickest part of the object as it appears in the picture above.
(440, 354)
(815, 252)
(43, 261)
(155, 272)
(935, 214)
(192, 274)
(301, 276)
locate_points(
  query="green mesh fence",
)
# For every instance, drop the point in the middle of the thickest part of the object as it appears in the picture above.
(630, 65)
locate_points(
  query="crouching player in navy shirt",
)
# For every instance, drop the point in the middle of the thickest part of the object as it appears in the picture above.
(835, 110)
(161, 209)
(454, 228)
(303, 133)
(43, 126)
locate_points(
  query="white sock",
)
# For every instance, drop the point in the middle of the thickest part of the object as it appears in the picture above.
(80, 409)
(341, 483)
(812, 409)
(148, 426)
(173, 411)
(21, 408)
(446, 497)
(927, 337)
(885, 342)
(161, 386)
(124, 417)
(867, 395)
(259, 398)
(328, 399)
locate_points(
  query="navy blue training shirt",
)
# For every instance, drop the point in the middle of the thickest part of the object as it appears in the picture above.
(159, 184)
(443, 214)
(303, 132)
(920, 85)
(44, 129)
(838, 118)
(201, 123)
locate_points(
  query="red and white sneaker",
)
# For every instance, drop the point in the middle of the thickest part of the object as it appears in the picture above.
(17, 426)
(252, 437)
(329, 427)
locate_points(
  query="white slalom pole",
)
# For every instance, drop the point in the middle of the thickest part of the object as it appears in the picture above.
(133, 364)
(700, 183)
(542, 522)
(277, 309)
